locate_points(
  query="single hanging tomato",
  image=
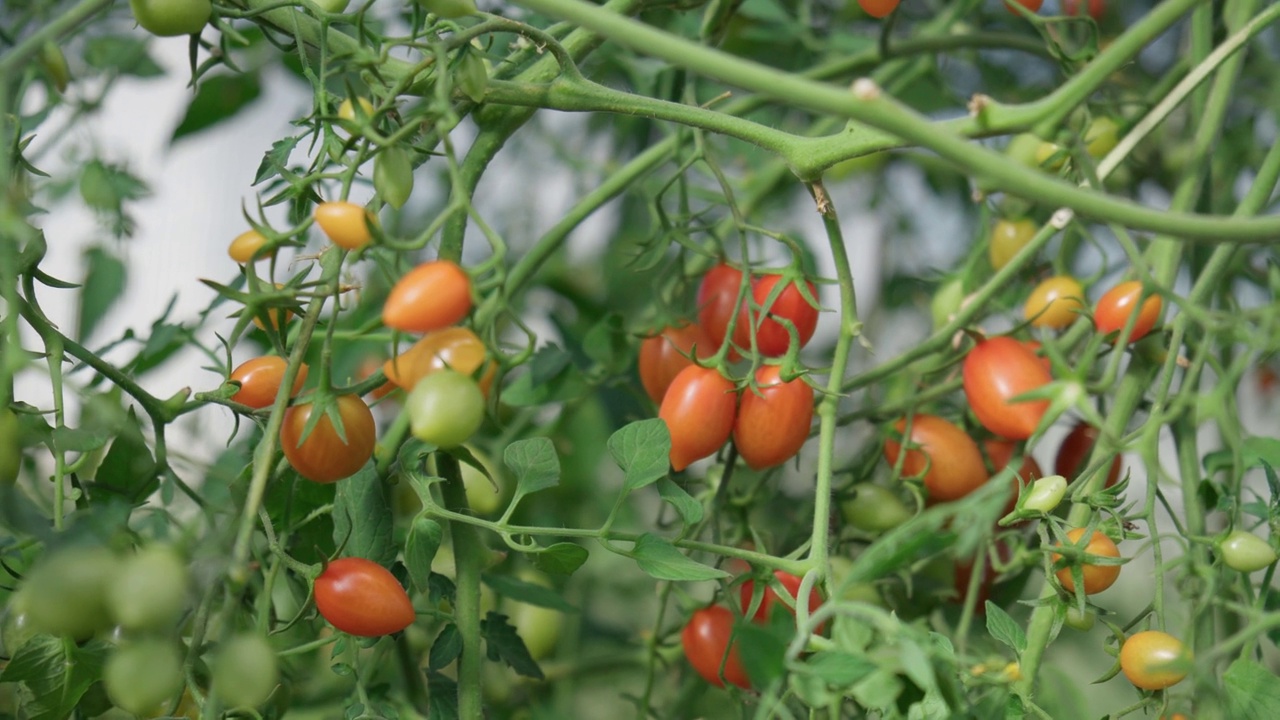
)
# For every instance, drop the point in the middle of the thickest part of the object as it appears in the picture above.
(345, 223)
(946, 456)
(1153, 660)
(324, 456)
(996, 370)
(1008, 237)
(1245, 552)
(452, 348)
(245, 670)
(698, 409)
(1055, 303)
(445, 408)
(706, 645)
(169, 18)
(1000, 452)
(718, 303)
(878, 8)
(246, 246)
(772, 337)
(1096, 577)
(432, 296)
(773, 425)
(260, 380)
(663, 356)
(1076, 448)
(1120, 303)
(360, 597)
(770, 600)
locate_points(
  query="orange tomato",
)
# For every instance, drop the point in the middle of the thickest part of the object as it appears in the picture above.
(260, 380)
(345, 223)
(433, 295)
(324, 456)
(663, 356)
(947, 457)
(453, 348)
(1096, 577)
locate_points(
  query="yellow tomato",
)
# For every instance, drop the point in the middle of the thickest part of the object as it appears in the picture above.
(346, 223)
(1055, 302)
(1007, 238)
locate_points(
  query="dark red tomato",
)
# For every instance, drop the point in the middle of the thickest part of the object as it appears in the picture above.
(260, 380)
(964, 576)
(324, 456)
(1096, 8)
(769, 600)
(706, 644)
(1120, 303)
(360, 597)
(1032, 5)
(946, 456)
(772, 338)
(773, 425)
(698, 408)
(995, 371)
(663, 356)
(432, 296)
(878, 8)
(1000, 452)
(1076, 448)
(717, 303)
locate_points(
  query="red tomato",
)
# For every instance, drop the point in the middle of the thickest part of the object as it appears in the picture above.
(260, 380)
(1096, 8)
(663, 356)
(1115, 308)
(996, 370)
(1032, 5)
(706, 644)
(1096, 577)
(360, 597)
(773, 425)
(453, 348)
(947, 456)
(772, 338)
(323, 457)
(717, 303)
(1153, 660)
(769, 600)
(698, 408)
(1000, 452)
(878, 8)
(434, 295)
(1076, 448)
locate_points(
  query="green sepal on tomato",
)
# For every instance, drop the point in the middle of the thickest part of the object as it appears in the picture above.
(773, 420)
(768, 321)
(1096, 577)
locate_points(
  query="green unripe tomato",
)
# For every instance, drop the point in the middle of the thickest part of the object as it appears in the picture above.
(539, 627)
(1045, 494)
(54, 63)
(10, 447)
(946, 302)
(245, 671)
(1023, 148)
(393, 176)
(1082, 621)
(449, 9)
(142, 676)
(1245, 552)
(482, 497)
(445, 408)
(150, 590)
(16, 629)
(332, 6)
(874, 509)
(853, 592)
(66, 594)
(1102, 136)
(168, 18)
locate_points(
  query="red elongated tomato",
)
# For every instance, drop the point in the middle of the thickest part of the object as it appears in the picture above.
(1076, 448)
(706, 645)
(878, 8)
(434, 295)
(718, 303)
(1032, 5)
(1096, 8)
(946, 456)
(698, 408)
(772, 337)
(1119, 303)
(663, 356)
(769, 600)
(260, 380)
(1000, 452)
(360, 597)
(323, 456)
(773, 425)
(995, 371)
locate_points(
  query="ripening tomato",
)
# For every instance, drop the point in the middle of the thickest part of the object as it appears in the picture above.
(1153, 660)
(996, 370)
(1008, 237)
(445, 408)
(946, 456)
(345, 223)
(1000, 452)
(276, 315)
(432, 296)
(1076, 448)
(770, 600)
(452, 348)
(142, 675)
(878, 8)
(1032, 5)
(324, 456)
(169, 18)
(1095, 8)
(706, 645)
(260, 380)
(246, 246)
(663, 356)
(718, 303)
(773, 425)
(1055, 302)
(360, 597)
(347, 111)
(698, 409)
(1120, 303)
(1096, 577)
(772, 336)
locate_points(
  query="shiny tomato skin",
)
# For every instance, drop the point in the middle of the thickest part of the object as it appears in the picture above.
(434, 295)
(699, 409)
(1032, 5)
(260, 380)
(360, 597)
(769, 599)
(956, 468)
(772, 337)
(451, 348)
(1075, 450)
(1055, 303)
(878, 8)
(1153, 660)
(996, 370)
(1008, 237)
(1113, 309)
(664, 355)
(170, 18)
(323, 457)
(1096, 577)
(718, 303)
(1000, 452)
(246, 246)
(706, 641)
(773, 425)
(1096, 8)
(345, 223)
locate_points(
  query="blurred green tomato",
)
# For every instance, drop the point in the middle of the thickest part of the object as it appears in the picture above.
(245, 671)
(539, 627)
(66, 593)
(874, 509)
(150, 590)
(142, 676)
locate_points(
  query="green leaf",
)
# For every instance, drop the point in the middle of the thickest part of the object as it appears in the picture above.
(362, 518)
(420, 549)
(609, 344)
(1261, 450)
(128, 471)
(642, 449)
(502, 642)
(840, 669)
(446, 648)
(442, 588)
(551, 378)
(218, 99)
(526, 592)
(123, 54)
(276, 160)
(1003, 628)
(443, 692)
(534, 463)
(690, 510)
(662, 560)
(916, 665)
(106, 186)
(877, 691)
(57, 674)
(104, 282)
(563, 558)
(1252, 691)
(80, 440)
(762, 650)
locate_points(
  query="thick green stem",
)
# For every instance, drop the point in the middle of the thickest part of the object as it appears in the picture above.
(468, 553)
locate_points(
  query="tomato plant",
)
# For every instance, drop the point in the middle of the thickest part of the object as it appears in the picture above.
(1096, 577)
(664, 355)
(1008, 237)
(346, 224)
(1153, 660)
(325, 455)
(167, 18)
(244, 248)
(769, 599)
(431, 296)
(996, 371)
(1000, 453)
(445, 408)
(772, 425)
(1055, 302)
(1075, 450)
(705, 639)
(360, 597)
(718, 303)
(699, 410)
(453, 348)
(878, 8)
(765, 319)
(943, 455)
(1115, 308)
(260, 379)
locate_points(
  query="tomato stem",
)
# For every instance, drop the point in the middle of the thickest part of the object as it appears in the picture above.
(468, 552)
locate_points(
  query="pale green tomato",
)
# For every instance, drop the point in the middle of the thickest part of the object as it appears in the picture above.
(539, 627)
(245, 671)
(1082, 621)
(445, 408)
(874, 509)
(332, 6)
(1045, 493)
(946, 302)
(150, 590)
(449, 9)
(1245, 552)
(393, 176)
(1102, 136)
(66, 593)
(143, 675)
(168, 18)
(482, 497)
(1023, 148)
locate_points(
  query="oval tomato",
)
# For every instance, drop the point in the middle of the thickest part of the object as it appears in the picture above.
(771, 335)
(245, 671)
(1055, 303)
(770, 600)
(445, 408)
(450, 9)
(698, 409)
(347, 111)
(947, 301)
(1096, 577)
(1095, 8)
(1045, 494)
(1008, 237)
(1032, 5)
(718, 303)
(706, 645)
(996, 370)
(169, 18)
(1245, 552)
(944, 454)
(434, 295)
(260, 380)
(663, 356)
(874, 509)
(773, 425)
(452, 348)
(246, 246)
(345, 223)
(1114, 309)
(539, 627)
(1153, 660)
(1000, 452)
(360, 597)
(142, 675)
(1076, 448)
(324, 456)
(878, 8)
